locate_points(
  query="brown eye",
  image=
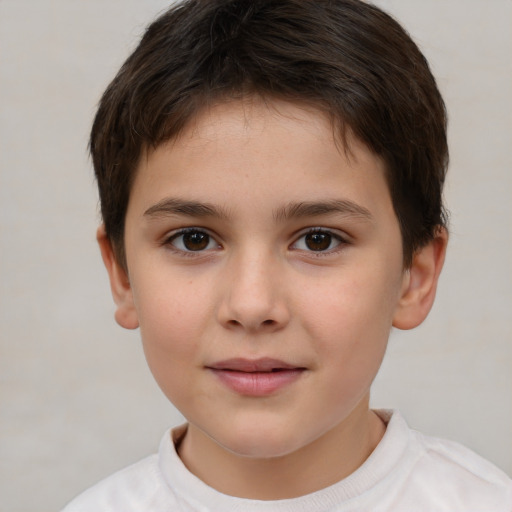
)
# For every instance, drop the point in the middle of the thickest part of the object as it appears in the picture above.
(193, 241)
(196, 241)
(318, 241)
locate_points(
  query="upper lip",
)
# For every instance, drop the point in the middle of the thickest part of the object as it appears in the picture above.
(264, 364)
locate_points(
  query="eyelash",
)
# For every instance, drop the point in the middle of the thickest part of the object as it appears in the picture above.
(182, 232)
(341, 241)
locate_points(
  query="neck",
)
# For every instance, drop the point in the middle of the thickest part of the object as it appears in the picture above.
(323, 462)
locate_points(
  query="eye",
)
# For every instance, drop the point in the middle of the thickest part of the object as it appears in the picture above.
(318, 240)
(192, 240)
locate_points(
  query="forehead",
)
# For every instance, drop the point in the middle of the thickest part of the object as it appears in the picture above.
(267, 151)
(254, 115)
(250, 115)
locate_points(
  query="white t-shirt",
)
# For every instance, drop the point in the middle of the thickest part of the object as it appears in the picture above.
(407, 472)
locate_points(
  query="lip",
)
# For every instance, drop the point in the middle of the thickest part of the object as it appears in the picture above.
(256, 377)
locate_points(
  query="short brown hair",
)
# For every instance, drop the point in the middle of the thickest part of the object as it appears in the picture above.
(345, 57)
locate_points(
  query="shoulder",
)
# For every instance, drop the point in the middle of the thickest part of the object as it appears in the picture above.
(459, 475)
(132, 489)
(428, 474)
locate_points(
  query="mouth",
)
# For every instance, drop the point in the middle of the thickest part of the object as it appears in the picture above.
(262, 365)
(256, 377)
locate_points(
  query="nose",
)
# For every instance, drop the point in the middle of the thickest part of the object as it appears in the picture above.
(253, 295)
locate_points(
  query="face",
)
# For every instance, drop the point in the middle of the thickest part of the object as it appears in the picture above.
(265, 273)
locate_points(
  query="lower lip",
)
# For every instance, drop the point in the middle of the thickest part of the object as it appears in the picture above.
(257, 383)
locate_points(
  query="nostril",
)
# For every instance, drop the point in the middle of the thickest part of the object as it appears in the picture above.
(269, 322)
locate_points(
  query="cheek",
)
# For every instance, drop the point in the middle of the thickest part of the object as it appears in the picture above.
(350, 318)
(171, 320)
(170, 304)
(350, 343)
(351, 305)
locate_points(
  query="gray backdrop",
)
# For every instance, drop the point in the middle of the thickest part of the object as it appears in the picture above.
(77, 401)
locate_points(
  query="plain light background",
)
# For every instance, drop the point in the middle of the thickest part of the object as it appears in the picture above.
(76, 399)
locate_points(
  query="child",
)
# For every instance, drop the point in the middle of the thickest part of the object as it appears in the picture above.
(270, 175)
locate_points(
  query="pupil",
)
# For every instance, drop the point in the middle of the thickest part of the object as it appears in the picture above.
(195, 241)
(318, 241)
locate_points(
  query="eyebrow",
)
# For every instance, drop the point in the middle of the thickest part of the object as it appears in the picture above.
(173, 206)
(313, 209)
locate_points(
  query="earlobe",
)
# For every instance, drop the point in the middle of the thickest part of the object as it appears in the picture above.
(420, 283)
(126, 314)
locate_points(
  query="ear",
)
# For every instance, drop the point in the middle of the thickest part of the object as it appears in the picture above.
(126, 314)
(420, 283)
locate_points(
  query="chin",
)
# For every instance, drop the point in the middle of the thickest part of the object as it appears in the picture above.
(261, 442)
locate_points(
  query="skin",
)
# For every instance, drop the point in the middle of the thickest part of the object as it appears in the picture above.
(240, 175)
